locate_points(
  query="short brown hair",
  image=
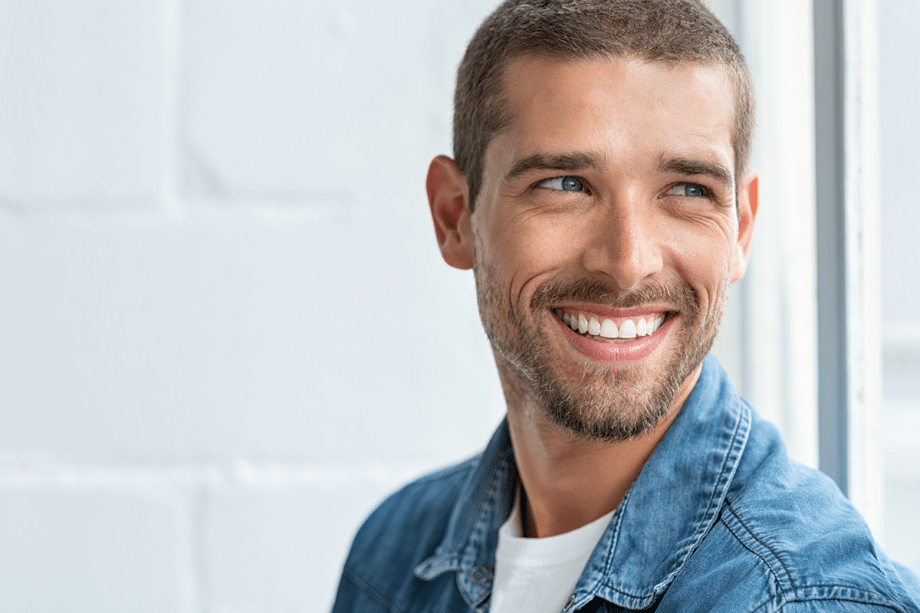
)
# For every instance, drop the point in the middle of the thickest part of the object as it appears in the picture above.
(651, 30)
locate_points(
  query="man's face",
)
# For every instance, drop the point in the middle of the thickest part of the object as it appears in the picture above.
(608, 206)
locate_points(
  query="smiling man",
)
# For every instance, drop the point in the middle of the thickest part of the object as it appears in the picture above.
(600, 195)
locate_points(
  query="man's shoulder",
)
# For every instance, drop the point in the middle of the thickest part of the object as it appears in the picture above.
(424, 503)
(403, 531)
(789, 529)
(419, 511)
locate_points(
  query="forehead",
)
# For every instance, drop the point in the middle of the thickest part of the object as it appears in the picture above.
(618, 109)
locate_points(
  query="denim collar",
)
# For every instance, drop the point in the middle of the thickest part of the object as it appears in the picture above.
(668, 510)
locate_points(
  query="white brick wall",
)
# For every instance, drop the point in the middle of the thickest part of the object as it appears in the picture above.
(83, 105)
(225, 330)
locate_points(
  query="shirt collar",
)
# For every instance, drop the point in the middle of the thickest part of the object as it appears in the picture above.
(653, 531)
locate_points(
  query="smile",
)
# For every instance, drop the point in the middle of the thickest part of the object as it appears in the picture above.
(624, 328)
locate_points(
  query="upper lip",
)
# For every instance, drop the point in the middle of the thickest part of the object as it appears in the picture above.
(614, 312)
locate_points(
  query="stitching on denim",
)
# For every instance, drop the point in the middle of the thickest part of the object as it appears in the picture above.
(750, 533)
(481, 532)
(781, 593)
(856, 594)
(594, 589)
(607, 568)
(860, 596)
(885, 575)
(863, 597)
(365, 587)
(718, 495)
(732, 454)
(709, 518)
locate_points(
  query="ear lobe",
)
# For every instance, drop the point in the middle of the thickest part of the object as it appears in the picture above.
(448, 198)
(747, 212)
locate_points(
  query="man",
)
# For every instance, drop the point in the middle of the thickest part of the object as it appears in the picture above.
(599, 194)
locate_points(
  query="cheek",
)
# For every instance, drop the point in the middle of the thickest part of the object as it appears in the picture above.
(706, 267)
(535, 245)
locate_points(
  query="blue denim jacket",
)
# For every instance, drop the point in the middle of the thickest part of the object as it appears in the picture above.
(719, 519)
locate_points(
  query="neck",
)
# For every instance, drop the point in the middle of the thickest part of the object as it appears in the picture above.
(570, 480)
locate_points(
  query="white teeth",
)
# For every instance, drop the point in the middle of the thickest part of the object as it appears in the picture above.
(642, 327)
(628, 329)
(609, 329)
(594, 327)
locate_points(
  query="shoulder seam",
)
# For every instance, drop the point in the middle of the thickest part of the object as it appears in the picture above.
(795, 593)
(731, 511)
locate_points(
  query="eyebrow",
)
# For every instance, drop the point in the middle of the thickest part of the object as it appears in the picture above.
(688, 166)
(567, 162)
(573, 162)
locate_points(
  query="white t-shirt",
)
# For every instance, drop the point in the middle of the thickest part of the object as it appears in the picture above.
(537, 575)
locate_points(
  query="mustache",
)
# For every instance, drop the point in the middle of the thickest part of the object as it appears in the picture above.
(683, 298)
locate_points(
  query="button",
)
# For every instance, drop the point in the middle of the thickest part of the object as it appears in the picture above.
(569, 604)
(480, 574)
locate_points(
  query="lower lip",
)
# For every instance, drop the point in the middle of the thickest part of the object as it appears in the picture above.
(616, 351)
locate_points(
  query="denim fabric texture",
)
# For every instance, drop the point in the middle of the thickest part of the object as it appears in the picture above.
(719, 519)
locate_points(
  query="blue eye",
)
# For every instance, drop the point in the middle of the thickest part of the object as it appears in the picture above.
(565, 184)
(688, 190)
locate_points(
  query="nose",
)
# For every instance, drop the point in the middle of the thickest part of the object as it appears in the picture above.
(624, 244)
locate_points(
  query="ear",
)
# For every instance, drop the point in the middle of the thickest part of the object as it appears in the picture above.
(747, 211)
(448, 197)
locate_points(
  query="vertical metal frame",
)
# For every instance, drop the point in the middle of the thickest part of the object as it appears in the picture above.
(830, 153)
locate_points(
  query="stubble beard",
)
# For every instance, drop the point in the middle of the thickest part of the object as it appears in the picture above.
(609, 402)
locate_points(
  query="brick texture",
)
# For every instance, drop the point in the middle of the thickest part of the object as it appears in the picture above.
(225, 328)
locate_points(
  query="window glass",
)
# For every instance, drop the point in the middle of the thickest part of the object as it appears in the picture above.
(899, 83)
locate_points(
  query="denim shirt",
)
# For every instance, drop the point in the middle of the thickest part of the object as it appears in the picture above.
(719, 519)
